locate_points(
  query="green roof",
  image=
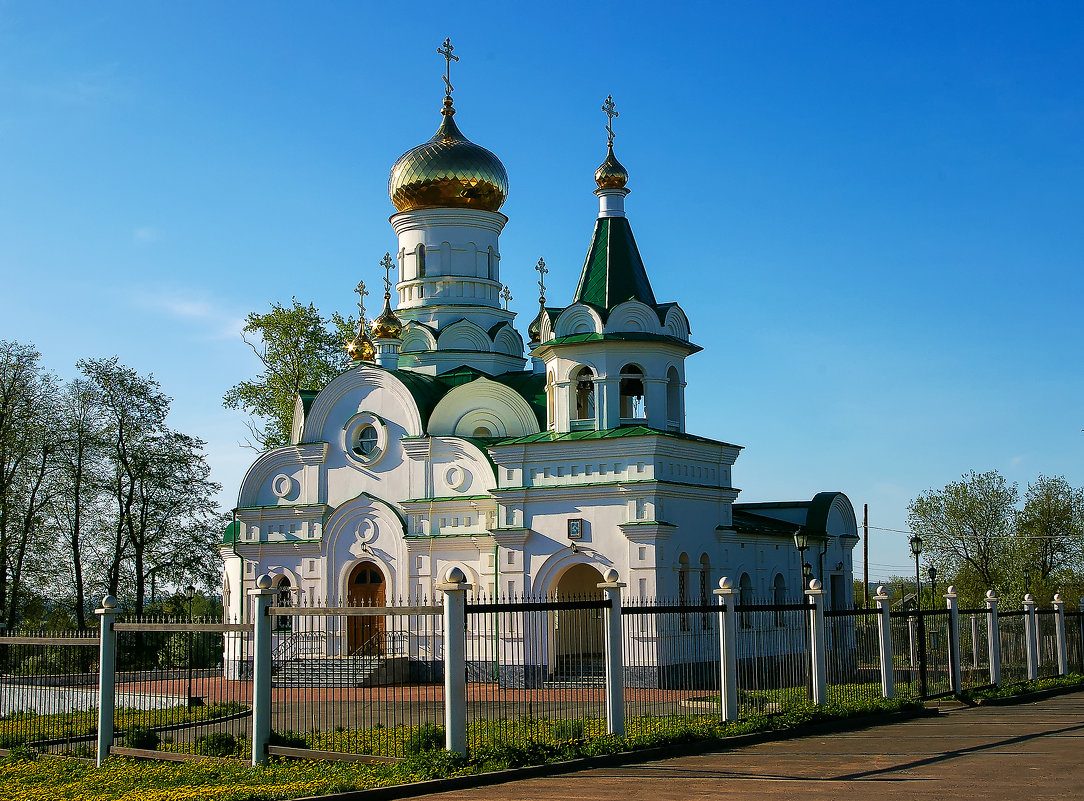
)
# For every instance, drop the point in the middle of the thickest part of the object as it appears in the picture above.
(609, 433)
(622, 336)
(231, 533)
(613, 271)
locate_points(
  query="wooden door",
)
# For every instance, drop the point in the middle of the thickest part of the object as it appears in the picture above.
(366, 588)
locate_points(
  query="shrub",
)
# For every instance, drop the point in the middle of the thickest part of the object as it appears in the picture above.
(139, 737)
(568, 729)
(288, 739)
(21, 753)
(217, 743)
(427, 737)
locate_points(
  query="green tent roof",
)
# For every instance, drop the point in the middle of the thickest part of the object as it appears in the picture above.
(613, 271)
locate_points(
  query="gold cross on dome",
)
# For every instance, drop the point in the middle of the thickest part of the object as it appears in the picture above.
(446, 51)
(362, 292)
(388, 266)
(611, 112)
(506, 294)
(541, 268)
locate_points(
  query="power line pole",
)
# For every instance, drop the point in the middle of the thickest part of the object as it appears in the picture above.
(865, 552)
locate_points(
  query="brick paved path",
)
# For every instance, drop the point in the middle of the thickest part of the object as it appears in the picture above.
(1030, 751)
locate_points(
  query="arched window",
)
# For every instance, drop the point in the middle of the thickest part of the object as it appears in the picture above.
(673, 400)
(491, 264)
(283, 597)
(745, 598)
(705, 584)
(583, 384)
(779, 592)
(632, 393)
(421, 261)
(683, 588)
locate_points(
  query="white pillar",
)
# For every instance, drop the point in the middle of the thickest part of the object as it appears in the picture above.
(455, 588)
(1031, 626)
(728, 649)
(107, 676)
(818, 642)
(615, 668)
(955, 674)
(1059, 619)
(261, 669)
(993, 638)
(884, 628)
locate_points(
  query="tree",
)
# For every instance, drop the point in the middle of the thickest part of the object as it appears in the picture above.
(1050, 530)
(298, 349)
(967, 527)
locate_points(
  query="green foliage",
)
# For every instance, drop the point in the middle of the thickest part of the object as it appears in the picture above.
(217, 744)
(427, 737)
(1025, 687)
(288, 739)
(139, 737)
(298, 350)
(175, 652)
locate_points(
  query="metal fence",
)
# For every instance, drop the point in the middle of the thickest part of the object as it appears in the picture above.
(49, 691)
(182, 687)
(1047, 633)
(854, 655)
(1014, 650)
(974, 648)
(1074, 640)
(774, 654)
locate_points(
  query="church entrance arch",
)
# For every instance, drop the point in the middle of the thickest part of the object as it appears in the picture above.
(365, 587)
(578, 647)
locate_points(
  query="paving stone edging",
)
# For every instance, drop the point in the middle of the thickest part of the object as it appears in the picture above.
(429, 786)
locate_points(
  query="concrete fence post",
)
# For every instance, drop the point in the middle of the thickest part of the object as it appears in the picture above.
(261, 668)
(1059, 621)
(1031, 636)
(993, 638)
(818, 641)
(728, 649)
(615, 666)
(455, 588)
(107, 676)
(955, 673)
(884, 628)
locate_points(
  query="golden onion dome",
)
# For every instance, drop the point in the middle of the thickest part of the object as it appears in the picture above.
(611, 174)
(534, 330)
(387, 325)
(361, 348)
(448, 171)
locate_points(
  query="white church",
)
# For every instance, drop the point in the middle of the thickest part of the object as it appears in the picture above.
(534, 470)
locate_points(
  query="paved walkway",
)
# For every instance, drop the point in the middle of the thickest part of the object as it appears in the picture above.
(1031, 751)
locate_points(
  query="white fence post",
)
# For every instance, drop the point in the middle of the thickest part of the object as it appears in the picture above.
(107, 676)
(455, 588)
(818, 642)
(1031, 632)
(993, 638)
(728, 650)
(261, 669)
(884, 628)
(1059, 619)
(615, 667)
(955, 674)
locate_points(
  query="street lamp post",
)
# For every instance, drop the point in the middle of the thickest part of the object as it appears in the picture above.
(1027, 581)
(916, 549)
(931, 571)
(190, 591)
(801, 542)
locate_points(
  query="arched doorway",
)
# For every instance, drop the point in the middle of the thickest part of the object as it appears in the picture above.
(365, 587)
(578, 644)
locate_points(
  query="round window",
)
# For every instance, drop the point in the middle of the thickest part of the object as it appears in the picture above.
(365, 442)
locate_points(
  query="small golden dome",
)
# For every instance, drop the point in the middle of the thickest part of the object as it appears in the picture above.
(610, 174)
(361, 348)
(387, 325)
(448, 171)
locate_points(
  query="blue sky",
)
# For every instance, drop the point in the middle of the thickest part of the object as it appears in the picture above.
(871, 212)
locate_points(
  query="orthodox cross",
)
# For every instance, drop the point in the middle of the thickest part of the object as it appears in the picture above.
(362, 292)
(506, 294)
(541, 268)
(388, 266)
(446, 51)
(611, 112)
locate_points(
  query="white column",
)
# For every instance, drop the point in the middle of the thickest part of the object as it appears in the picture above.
(615, 668)
(884, 628)
(993, 638)
(728, 649)
(261, 669)
(1031, 627)
(107, 676)
(818, 642)
(1059, 619)
(955, 674)
(455, 588)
